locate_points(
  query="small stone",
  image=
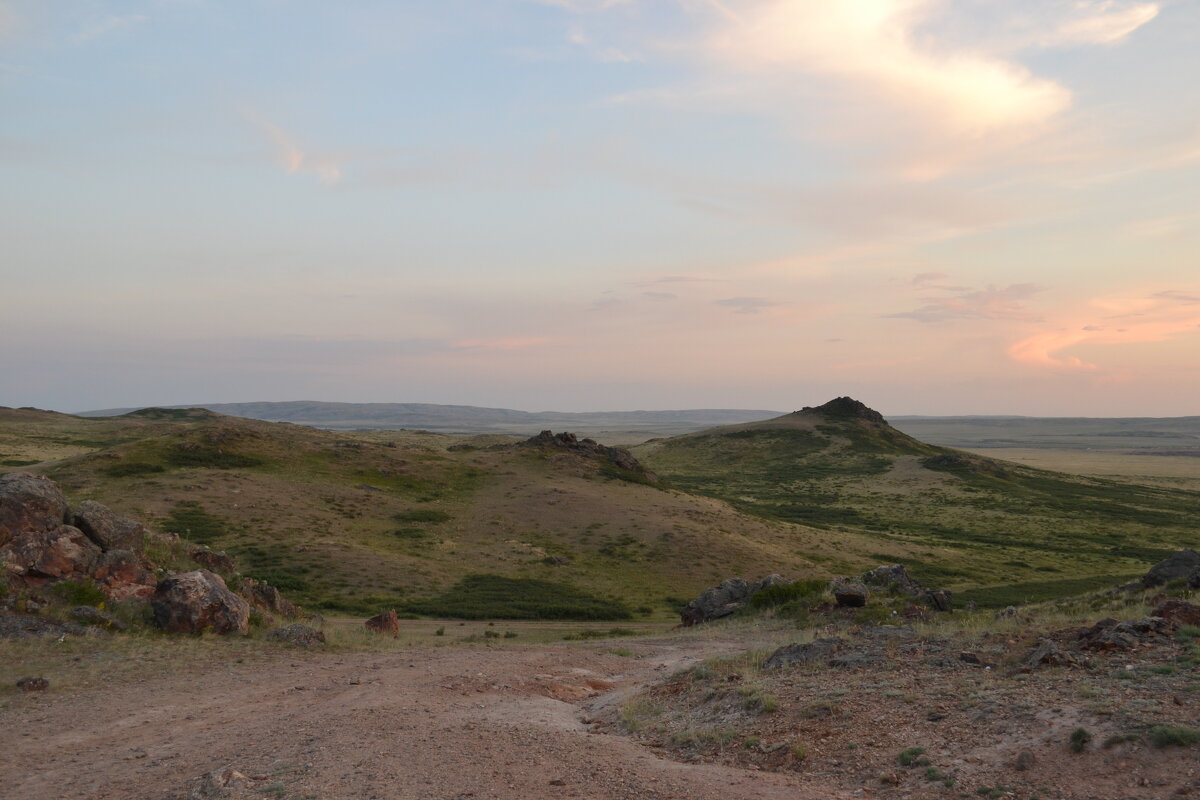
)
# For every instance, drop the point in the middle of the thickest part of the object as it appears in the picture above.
(1025, 761)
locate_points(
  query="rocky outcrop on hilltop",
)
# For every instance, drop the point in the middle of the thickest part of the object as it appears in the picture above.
(591, 449)
(841, 408)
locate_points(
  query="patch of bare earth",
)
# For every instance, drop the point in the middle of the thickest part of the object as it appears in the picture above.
(448, 723)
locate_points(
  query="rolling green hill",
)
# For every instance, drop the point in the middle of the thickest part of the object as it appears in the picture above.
(971, 520)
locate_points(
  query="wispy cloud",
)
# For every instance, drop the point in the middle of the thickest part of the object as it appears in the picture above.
(746, 305)
(989, 303)
(1114, 319)
(102, 27)
(289, 155)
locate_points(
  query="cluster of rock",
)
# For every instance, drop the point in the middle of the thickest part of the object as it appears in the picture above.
(891, 579)
(43, 541)
(1068, 648)
(590, 448)
(723, 600)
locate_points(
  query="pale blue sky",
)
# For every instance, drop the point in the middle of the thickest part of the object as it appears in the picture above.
(941, 206)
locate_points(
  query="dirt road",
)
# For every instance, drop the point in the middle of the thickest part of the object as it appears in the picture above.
(445, 723)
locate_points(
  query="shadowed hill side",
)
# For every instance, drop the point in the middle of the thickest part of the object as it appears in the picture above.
(974, 520)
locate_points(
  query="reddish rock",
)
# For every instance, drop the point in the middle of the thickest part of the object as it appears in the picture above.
(109, 529)
(37, 556)
(1179, 612)
(122, 574)
(30, 503)
(212, 560)
(198, 601)
(267, 597)
(387, 622)
(33, 684)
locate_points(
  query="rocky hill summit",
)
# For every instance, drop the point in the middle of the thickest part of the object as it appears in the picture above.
(617, 457)
(845, 408)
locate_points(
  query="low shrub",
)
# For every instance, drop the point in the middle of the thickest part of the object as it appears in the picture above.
(1079, 739)
(79, 593)
(1174, 736)
(497, 597)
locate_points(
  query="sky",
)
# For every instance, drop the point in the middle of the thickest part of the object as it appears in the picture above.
(934, 206)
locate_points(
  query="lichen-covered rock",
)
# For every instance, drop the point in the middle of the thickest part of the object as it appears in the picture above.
(122, 575)
(724, 599)
(199, 601)
(849, 593)
(1183, 565)
(1179, 612)
(385, 622)
(818, 650)
(893, 579)
(30, 503)
(42, 555)
(267, 597)
(298, 634)
(1109, 634)
(109, 529)
(1050, 653)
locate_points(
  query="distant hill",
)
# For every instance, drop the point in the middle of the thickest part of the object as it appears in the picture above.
(843, 467)
(470, 419)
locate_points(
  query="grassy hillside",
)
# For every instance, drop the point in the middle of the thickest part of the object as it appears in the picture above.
(970, 520)
(356, 521)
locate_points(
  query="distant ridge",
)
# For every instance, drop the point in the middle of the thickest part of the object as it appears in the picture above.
(467, 419)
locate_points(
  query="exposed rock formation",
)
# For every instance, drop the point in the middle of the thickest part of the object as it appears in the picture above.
(892, 579)
(847, 408)
(723, 600)
(212, 560)
(385, 622)
(818, 650)
(589, 448)
(109, 529)
(1179, 612)
(199, 601)
(30, 503)
(1183, 565)
(267, 597)
(38, 547)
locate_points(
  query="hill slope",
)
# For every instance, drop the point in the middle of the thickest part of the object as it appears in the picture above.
(973, 520)
(471, 419)
(355, 521)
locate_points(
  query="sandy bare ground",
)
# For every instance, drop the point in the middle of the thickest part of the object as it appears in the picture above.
(445, 723)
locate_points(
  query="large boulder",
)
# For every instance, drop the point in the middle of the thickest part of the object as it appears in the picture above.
(109, 529)
(848, 593)
(384, 622)
(30, 503)
(36, 557)
(723, 600)
(212, 560)
(1183, 565)
(199, 601)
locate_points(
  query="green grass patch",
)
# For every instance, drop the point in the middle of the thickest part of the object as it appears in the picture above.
(1174, 736)
(132, 468)
(1015, 594)
(209, 458)
(497, 597)
(191, 521)
(430, 515)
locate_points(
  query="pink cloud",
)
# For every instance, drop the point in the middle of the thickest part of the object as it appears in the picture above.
(1146, 317)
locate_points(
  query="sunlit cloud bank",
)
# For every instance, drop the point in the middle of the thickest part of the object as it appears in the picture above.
(1110, 320)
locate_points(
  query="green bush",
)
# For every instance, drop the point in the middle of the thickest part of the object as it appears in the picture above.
(806, 591)
(908, 758)
(79, 593)
(131, 468)
(1079, 739)
(431, 515)
(191, 521)
(1174, 736)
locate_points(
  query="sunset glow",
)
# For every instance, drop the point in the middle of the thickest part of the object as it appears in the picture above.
(940, 207)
